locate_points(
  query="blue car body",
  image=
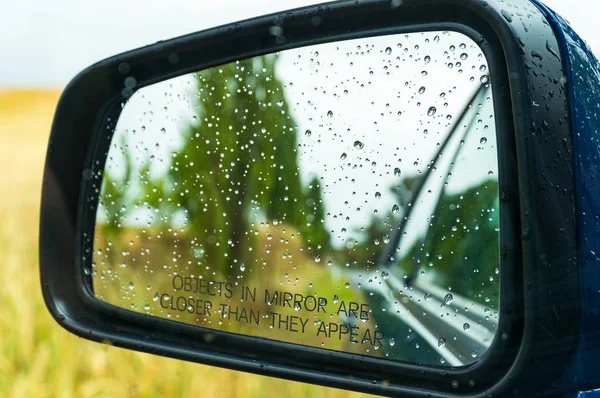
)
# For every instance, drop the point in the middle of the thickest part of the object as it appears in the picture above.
(583, 76)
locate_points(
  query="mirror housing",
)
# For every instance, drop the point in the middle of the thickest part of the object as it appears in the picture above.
(541, 320)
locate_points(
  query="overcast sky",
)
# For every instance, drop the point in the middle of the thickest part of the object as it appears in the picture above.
(45, 43)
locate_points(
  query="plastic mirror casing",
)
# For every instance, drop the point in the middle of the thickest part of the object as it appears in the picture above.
(539, 325)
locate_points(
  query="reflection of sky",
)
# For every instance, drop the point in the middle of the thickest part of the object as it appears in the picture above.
(378, 92)
(374, 89)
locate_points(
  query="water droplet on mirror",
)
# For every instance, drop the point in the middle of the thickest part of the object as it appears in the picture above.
(484, 79)
(448, 298)
(377, 195)
(397, 172)
(358, 145)
(422, 90)
(308, 133)
(507, 15)
(441, 342)
(483, 140)
(466, 327)
(335, 299)
(473, 354)
(427, 296)
(464, 56)
(385, 275)
(156, 297)
(242, 267)
(395, 209)
(317, 258)
(431, 111)
(147, 307)
(347, 285)
(392, 342)
(388, 50)
(386, 239)
(427, 59)
(131, 286)
(330, 114)
(344, 156)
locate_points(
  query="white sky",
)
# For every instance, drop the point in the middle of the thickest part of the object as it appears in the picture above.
(45, 43)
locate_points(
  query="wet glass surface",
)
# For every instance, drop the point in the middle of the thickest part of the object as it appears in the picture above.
(342, 196)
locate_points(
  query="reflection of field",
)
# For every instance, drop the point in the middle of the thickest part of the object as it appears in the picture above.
(37, 357)
(161, 277)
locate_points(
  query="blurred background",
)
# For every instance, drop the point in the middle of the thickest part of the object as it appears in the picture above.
(44, 44)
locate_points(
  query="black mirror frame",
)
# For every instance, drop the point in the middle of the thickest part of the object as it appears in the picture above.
(539, 322)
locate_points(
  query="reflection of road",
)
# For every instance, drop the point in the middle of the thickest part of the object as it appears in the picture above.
(460, 331)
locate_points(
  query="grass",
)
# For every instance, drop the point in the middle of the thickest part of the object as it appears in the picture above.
(37, 357)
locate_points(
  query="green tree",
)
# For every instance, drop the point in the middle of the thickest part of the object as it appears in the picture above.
(238, 164)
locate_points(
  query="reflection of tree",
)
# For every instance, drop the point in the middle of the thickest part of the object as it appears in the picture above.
(237, 163)
(462, 243)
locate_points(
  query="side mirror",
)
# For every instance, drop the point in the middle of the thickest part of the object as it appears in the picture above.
(378, 196)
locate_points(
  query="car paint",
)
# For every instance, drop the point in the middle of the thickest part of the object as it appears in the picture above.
(583, 79)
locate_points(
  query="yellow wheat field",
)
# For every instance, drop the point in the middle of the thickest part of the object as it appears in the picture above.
(37, 357)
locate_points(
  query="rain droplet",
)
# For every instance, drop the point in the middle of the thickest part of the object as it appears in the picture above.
(392, 342)
(344, 156)
(385, 275)
(330, 114)
(131, 286)
(397, 172)
(427, 296)
(422, 90)
(448, 299)
(386, 239)
(156, 297)
(308, 133)
(484, 79)
(377, 195)
(427, 59)
(358, 145)
(431, 111)
(388, 50)
(441, 342)
(335, 299)
(507, 15)
(347, 285)
(473, 354)
(464, 56)
(466, 327)
(395, 209)
(483, 140)
(147, 307)
(317, 258)
(242, 267)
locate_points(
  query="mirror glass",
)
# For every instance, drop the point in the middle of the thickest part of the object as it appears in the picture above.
(341, 196)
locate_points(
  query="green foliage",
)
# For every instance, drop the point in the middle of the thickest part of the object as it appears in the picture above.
(114, 196)
(237, 166)
(463, 242)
